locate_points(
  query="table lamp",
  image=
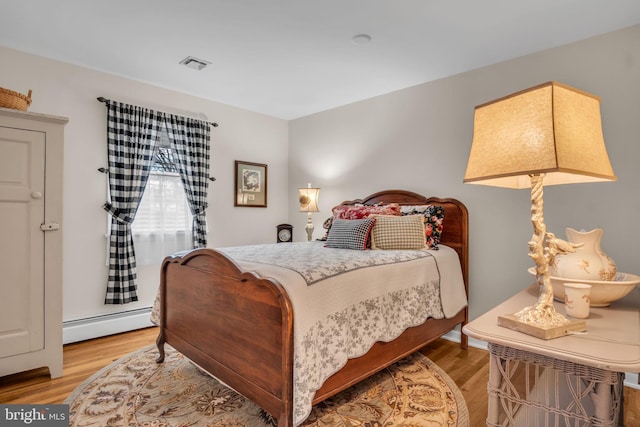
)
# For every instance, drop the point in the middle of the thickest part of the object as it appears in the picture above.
(549, 132)
(308, 200)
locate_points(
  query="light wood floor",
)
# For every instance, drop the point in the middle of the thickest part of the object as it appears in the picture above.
(468, 368)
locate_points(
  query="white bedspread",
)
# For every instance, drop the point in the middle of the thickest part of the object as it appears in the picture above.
(315, 262)
(342, 320)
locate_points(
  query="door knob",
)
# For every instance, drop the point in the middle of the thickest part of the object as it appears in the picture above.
(36, 195)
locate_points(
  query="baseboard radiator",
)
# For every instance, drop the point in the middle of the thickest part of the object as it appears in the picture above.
(106, 324)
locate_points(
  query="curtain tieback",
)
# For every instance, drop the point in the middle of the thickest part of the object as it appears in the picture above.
(117, 214)
(201, 210)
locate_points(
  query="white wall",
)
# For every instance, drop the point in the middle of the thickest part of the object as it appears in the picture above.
(416, 139)
(419, 139)
(71, 91)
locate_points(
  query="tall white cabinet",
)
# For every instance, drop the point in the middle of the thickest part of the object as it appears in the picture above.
(31, 167)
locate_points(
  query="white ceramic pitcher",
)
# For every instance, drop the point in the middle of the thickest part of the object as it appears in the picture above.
(588, 262)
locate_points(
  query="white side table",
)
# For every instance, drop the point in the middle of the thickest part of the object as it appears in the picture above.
(574, 380)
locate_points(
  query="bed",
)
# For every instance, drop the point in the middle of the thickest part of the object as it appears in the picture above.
(237, 324)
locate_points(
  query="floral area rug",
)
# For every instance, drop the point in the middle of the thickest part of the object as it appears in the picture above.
(137, 391)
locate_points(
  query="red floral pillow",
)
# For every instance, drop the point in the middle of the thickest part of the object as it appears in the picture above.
(363, 211)
(433, 217)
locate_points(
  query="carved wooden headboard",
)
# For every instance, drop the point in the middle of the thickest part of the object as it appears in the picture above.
(456, 219)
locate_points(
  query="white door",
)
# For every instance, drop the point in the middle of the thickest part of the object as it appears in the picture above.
(22, 184)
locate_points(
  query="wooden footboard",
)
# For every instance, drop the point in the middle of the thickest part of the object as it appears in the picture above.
(239, 327)
(233, 324)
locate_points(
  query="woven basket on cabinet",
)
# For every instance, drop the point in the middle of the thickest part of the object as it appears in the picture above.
(15, 100)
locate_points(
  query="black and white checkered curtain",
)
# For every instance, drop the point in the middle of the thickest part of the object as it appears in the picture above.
(132, 133)
(190, 139)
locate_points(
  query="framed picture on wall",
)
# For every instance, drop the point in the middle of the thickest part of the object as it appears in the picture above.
(251, 184)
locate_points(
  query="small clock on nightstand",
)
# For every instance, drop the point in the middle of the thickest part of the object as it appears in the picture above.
(285, 233)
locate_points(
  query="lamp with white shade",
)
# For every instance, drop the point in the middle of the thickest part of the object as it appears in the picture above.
(308, 201)
(546, 135)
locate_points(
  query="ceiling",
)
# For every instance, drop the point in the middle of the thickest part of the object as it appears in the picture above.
(291, 58)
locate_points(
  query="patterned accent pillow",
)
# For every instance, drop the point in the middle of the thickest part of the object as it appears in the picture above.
(350, 233)
(433, 217)
(363, 211)
(398, 232)
(327, 226)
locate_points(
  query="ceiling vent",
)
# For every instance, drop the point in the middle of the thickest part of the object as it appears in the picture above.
(195, 63)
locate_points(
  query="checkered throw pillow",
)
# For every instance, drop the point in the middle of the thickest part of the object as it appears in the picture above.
(350, 233)
(398, 232)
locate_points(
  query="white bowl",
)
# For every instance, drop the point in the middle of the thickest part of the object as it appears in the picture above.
(603, 292)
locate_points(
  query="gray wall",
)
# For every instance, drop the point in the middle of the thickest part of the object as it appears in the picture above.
(419, 139)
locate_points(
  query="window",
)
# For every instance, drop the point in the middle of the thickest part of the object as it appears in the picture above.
(163, 222)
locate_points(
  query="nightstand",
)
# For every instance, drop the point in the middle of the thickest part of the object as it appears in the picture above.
(577, 379)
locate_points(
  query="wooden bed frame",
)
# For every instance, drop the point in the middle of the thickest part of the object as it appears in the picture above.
(239, 327)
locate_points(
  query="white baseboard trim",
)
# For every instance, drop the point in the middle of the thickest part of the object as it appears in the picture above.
(103, 325)
(454, 335)
(630, 379)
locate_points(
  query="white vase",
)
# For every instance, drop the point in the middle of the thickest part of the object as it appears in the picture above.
(588, 262)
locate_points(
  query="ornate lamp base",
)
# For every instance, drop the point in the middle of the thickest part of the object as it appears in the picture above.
(542, 320)
(544, 332)
(309, 227)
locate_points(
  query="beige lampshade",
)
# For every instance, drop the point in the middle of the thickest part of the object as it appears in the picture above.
(550, 129)
(308, 199)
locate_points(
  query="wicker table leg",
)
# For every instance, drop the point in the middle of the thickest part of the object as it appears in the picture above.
(495, 381)
(543, 401)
